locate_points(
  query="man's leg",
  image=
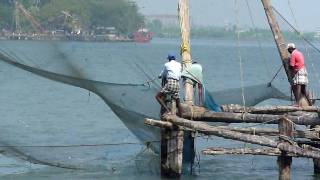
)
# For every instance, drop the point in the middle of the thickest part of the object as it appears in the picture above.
(180, 110)
(159, 98)
(297, 92)
(306, 94)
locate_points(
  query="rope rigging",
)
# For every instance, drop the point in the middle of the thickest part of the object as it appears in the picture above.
(80, 145)
(258, 39)
(260, 46)
(236, 9)
(297, 31)
(315, 72)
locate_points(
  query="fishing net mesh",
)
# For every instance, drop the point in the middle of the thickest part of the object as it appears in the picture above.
(123, 76)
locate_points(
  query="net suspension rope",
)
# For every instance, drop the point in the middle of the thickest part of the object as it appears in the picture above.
(260, 45)
(300, 34)
(263, 56)
(236, 9)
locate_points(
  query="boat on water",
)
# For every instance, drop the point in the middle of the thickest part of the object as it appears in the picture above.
(143, 35)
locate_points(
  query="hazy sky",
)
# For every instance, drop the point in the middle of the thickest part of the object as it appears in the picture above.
(220, 12)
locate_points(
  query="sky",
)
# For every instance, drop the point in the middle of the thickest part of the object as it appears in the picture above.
(219, 12)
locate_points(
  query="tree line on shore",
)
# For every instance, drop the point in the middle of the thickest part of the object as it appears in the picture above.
(121, 14)
(216, 32)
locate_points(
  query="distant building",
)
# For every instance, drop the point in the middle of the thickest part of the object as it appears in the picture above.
(165, 19)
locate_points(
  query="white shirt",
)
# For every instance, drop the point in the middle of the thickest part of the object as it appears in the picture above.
(172, 69)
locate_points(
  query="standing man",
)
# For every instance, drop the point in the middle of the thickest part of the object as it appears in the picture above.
(170, 75)
(299, 73)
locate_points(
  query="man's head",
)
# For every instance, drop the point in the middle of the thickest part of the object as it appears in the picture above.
(291, 47)
(171, 57)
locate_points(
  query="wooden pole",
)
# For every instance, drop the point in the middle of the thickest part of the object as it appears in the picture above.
(171, 148)
(185, 47)
(184, 17)
(281, 45)
(284, 161)
(316, 162)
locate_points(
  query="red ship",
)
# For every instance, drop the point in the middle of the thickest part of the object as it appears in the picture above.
(142, 36)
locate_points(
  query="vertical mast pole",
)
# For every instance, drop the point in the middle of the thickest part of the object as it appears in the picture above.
(184, 17)
(185, 47)
(281, 45)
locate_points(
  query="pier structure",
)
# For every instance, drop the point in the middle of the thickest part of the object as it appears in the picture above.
(288, 143)
(285, 141)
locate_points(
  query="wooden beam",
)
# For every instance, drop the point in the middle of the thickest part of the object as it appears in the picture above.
(253, 131)
(267, 109)
(161, 124)
(244, 151)
(272, 132)
(202, 114)
(260, 140)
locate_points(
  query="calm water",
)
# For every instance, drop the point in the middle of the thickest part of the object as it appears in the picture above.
(37, 112)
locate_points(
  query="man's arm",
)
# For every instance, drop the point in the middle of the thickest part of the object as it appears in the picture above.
(292, 62)
(162, 73)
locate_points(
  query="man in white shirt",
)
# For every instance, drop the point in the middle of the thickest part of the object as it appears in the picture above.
(170, 75)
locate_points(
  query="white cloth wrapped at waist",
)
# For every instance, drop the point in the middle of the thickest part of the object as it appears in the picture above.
(301, 77)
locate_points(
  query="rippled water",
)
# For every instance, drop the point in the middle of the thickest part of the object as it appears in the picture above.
(31, 105)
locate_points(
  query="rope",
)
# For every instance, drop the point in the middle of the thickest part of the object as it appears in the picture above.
(185, 30)
(239, 52)
(298, 32)
(79, 145)
(258, 39)
(274, 77)
(315, 72)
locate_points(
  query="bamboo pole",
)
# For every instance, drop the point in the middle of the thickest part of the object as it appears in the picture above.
(184, 17)
(185, 47)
